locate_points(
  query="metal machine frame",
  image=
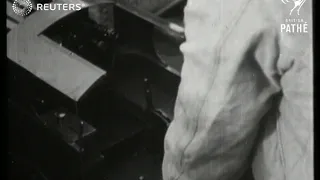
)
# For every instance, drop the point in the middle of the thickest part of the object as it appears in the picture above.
(55, 71)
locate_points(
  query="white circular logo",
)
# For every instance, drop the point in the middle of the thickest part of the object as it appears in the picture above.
(22, 7)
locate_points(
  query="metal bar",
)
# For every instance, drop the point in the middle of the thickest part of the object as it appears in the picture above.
(171, 29)
(11, 24)
(169, 6)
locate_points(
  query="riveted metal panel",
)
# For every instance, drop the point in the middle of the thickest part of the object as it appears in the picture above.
(67, 72)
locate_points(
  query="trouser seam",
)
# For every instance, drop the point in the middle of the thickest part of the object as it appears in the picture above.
(282, 157)
(222, 40)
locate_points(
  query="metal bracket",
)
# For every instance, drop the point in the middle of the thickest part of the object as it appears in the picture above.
(150, 107)
(69, 127)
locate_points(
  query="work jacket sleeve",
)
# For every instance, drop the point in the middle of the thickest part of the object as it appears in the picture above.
(230, 73)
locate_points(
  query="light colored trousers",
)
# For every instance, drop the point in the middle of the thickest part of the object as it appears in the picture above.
(246, 94)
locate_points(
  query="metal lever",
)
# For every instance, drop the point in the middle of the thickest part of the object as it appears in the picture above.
(148, 94)
(60, 116)
(150, 107)
(81, 134)
(81, 129)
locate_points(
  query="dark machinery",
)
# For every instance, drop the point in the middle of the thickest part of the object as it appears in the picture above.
(84, 92)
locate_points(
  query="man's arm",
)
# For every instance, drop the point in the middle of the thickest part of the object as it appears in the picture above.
(228, 78)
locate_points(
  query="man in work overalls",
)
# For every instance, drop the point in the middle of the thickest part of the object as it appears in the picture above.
(246, 93)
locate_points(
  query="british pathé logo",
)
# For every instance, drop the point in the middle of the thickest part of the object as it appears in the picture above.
(297, 4)
(294, 24)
